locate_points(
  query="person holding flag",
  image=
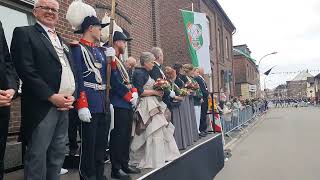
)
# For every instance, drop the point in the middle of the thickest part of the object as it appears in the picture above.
(123, 98)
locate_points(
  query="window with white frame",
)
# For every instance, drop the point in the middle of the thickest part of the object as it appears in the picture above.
(11, 18)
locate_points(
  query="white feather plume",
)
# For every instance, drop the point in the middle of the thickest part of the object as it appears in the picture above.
(105, 30)
(77, 11)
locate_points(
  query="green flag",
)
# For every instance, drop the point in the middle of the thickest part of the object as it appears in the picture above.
(197, 36)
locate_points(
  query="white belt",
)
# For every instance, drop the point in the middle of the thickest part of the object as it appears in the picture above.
(94, 86)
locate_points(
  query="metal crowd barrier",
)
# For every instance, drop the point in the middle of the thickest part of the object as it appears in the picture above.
(239, 117)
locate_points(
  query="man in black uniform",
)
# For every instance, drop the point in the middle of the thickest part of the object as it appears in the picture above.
(8, 88)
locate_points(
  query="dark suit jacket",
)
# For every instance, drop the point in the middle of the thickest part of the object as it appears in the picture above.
(39, 68)
(8, 76)
(155, 73)
(203, 86)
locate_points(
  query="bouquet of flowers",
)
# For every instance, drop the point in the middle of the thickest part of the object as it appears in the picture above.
(178, 91)
(192, 86)
(182, 92)
(161, 85)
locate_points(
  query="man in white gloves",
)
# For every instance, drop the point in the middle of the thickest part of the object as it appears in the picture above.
(124, 99)
(93, 111)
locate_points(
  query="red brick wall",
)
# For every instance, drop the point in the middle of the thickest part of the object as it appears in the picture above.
(140, 26)
(15, 119)
(240, 71)
(173, 40)
(221, 63)
(245, 71)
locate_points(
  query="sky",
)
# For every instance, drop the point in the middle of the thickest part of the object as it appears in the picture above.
(289, 27)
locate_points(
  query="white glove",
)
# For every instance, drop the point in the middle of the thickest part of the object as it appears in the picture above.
(134, 99)
(110, 52)
(84, 115)
(172, 94)
(135, 95)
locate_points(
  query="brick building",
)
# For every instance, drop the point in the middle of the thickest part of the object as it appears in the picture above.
(150, 23)
(221, 29)
(246, 73)
(302, 86)
(281, 91)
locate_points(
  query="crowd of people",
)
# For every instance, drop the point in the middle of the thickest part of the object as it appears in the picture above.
(154, 110)
(292, 102)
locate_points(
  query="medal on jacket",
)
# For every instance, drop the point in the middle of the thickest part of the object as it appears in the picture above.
(98, 65)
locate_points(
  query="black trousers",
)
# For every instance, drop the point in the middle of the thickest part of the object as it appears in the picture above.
(203, 117)
(93, 147)
(4, 122)
(120, 138)
(74, 126)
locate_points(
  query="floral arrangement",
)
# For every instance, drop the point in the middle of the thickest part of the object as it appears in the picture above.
(161, 85)
(182, 92)
(192, 86)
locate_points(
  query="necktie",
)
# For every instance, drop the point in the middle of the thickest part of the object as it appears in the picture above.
(53, 36)
(53, 33)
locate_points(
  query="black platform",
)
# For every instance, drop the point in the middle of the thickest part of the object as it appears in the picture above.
(202, 162)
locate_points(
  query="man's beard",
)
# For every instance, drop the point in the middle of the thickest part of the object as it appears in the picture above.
(121, 50)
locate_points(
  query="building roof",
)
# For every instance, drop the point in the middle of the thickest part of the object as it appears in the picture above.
(243, 50)
(281, 86)
(303, 76)
(224, 13)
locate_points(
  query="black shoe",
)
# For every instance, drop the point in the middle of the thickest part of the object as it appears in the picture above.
(120, 175)
(203, 134)
(131, 170)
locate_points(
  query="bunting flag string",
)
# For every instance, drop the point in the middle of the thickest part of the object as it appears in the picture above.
(295, 72)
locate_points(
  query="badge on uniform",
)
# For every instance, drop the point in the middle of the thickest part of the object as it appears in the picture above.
(98, 65)
(65, 47)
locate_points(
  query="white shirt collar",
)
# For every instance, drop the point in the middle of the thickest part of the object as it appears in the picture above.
(157, 63)
(46, 28)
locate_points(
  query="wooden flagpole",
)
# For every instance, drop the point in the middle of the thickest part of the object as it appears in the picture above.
(113, 14)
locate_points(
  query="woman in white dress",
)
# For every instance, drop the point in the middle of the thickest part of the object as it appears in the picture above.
(153, 143)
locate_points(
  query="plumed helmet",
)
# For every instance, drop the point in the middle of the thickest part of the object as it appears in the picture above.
(105, 30)
(77, 12)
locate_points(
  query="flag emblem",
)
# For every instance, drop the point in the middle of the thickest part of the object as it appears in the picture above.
(195, 35)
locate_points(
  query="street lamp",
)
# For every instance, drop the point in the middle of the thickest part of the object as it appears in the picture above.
(258, 66)
(266, 56)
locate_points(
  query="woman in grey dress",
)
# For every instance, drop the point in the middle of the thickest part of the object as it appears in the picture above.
(175, 108)
(187, 78)
(187, 132)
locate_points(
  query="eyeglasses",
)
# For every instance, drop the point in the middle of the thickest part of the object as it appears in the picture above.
(48, 9)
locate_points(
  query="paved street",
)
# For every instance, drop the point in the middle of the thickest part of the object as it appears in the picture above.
(284, 146)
